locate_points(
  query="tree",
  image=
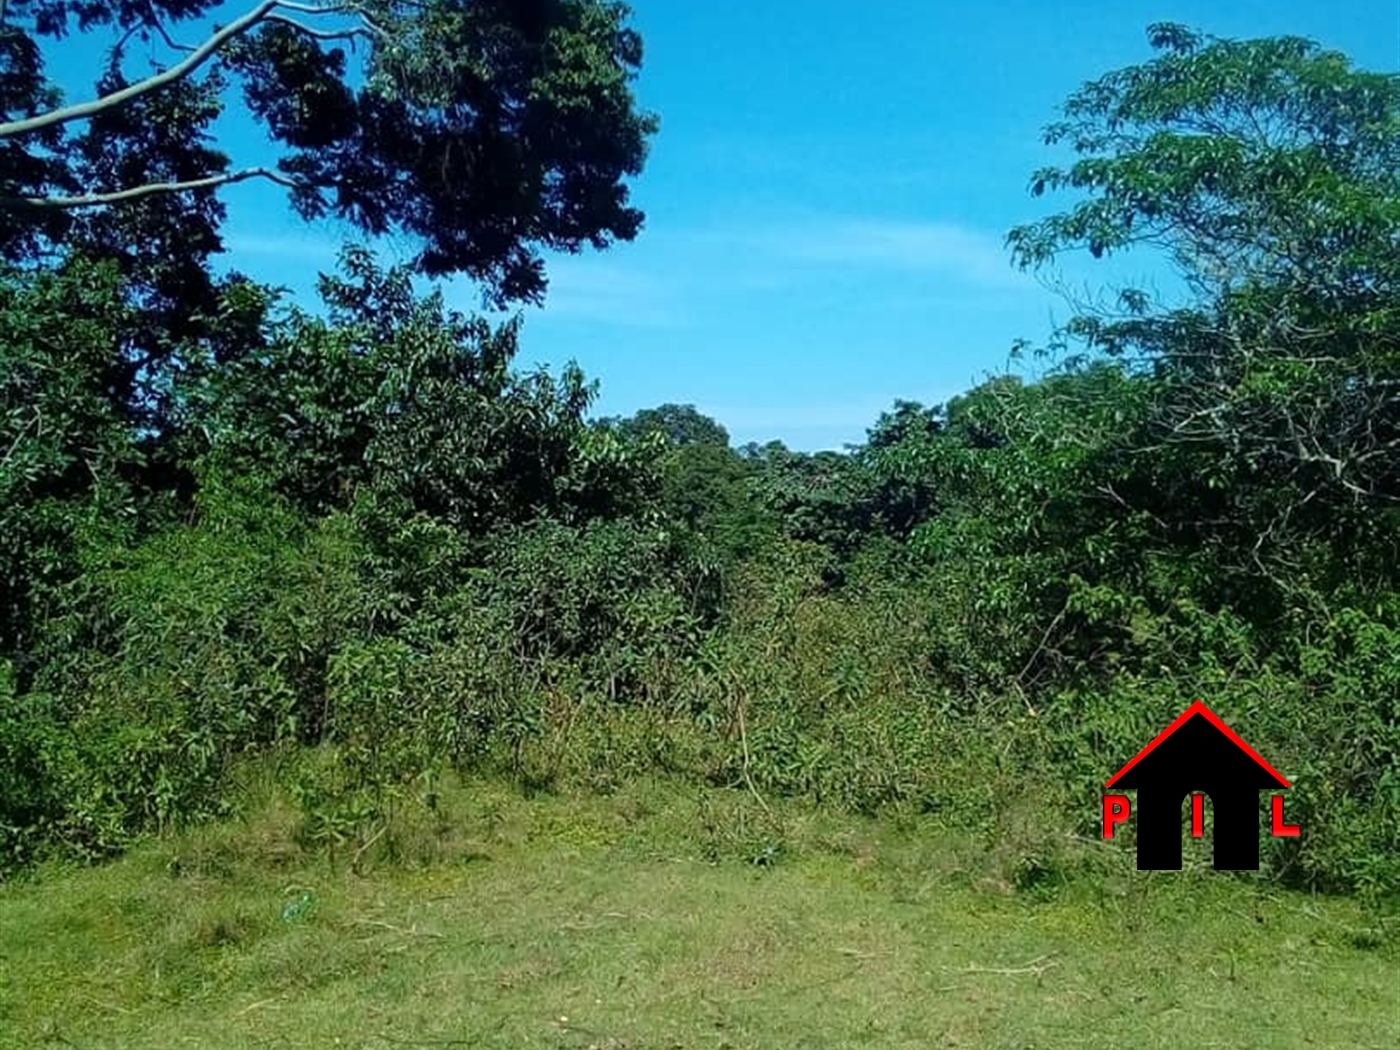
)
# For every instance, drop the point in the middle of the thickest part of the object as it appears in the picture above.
(66, 457)
(395, 395)
(1268, 172)
(485, 129)
(679, 424)
(705, 490)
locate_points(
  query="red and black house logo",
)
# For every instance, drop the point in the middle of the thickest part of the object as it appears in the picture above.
(1200, 755)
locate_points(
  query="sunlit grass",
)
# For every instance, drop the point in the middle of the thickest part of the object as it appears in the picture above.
(667, 917)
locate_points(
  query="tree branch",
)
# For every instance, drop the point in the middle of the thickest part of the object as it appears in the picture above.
(89, 200)
(174, 45)
(197, 57)
(119, 48)
(328, 34)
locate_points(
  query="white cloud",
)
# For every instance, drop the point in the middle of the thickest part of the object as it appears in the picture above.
(673, 278)
(956, 252)
(595, 289)
(687, 271)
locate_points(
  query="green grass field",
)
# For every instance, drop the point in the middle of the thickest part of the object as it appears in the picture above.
(644, 921)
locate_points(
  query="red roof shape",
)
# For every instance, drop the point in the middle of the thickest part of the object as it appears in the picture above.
(1199, 708)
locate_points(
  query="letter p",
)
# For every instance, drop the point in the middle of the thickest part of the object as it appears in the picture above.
(1116, 810)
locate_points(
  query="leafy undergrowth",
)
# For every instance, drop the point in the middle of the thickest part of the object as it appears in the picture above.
(664, 917)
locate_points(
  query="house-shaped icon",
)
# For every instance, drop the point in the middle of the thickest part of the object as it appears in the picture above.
(1198, 752)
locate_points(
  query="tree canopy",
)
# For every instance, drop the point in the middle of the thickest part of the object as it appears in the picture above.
(1268, 171)
(487, 130)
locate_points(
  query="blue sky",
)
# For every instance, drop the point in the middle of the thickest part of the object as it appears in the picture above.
(826, 200)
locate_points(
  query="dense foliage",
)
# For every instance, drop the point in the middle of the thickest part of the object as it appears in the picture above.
(483, 130)
(362, 540)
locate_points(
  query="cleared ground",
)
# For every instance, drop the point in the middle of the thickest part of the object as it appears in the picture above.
(665, 918)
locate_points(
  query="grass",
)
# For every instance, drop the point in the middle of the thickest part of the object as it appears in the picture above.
(664, 917)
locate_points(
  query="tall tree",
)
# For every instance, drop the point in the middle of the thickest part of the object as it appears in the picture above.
(1268, 171)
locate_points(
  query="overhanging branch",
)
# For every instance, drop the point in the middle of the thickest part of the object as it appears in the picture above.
(328, 34)
(197, 58)
(90, 200)
(264, 12)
